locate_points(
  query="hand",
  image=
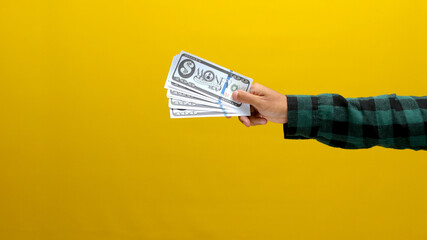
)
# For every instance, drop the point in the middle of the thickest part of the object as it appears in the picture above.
(266, 105)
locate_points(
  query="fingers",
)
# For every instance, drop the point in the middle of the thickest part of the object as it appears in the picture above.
(257, 121)
(258, 89)
(245, 97)
(245, 120)
(252, 121)
(253, 97)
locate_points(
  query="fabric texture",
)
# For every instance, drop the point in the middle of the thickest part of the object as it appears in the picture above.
(388, 120)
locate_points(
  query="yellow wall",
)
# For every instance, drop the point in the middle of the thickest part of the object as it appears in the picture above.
(87, 149)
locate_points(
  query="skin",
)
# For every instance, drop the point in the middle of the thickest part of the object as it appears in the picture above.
(266, 105)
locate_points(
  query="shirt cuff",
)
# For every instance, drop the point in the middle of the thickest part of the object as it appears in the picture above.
(303, 117)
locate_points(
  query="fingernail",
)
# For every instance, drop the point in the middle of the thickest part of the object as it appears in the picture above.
(235, 95)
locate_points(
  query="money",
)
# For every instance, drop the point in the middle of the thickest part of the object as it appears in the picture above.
(186, 113)
(199, 88)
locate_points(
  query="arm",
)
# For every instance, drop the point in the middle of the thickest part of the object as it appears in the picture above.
(388, 120)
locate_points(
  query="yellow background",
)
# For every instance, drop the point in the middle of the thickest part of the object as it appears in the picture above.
(88, 151)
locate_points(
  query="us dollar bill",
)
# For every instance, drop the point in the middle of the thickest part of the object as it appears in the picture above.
(207, 78)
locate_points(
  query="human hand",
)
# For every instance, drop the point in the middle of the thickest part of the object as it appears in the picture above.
(266, 105)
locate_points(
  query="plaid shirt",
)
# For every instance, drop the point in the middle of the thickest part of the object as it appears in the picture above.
(388, 120)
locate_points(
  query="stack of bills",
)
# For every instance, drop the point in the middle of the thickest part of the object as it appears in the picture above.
(199, 88)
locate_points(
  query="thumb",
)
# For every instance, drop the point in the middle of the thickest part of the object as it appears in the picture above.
(245, 97)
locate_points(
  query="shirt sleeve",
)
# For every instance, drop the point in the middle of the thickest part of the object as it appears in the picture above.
(388, 120)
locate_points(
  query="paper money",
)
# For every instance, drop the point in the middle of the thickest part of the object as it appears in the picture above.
(173, 94)
(186, 113)
(199, 88)
(181, 104)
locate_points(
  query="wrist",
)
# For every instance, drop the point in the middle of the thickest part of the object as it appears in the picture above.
(285, 110)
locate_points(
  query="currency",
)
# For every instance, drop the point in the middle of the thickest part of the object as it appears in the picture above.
(199, 88)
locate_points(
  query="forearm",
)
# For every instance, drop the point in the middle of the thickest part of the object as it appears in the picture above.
(389, 120)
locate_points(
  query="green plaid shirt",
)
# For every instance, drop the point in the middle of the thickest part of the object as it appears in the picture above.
(388, 120)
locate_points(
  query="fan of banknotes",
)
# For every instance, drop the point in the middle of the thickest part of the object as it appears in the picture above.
(199, 88)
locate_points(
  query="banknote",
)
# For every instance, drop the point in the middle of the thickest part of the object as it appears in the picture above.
(189, 98)
(174, 86)
(208, 78)
(188, 92)
(181, 104)
(186, 113)
(199, 88)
